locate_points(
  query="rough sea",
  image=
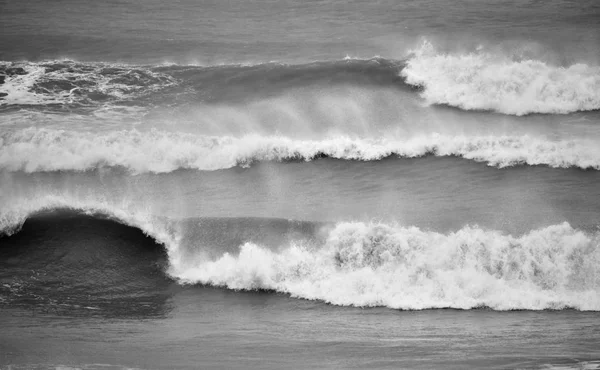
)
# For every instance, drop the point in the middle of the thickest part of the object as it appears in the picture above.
(307, 184)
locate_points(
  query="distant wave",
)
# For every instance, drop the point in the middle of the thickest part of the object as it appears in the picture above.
(373, 264)
(34, 149)
(88, 84)
(481, 81)
(470, 81)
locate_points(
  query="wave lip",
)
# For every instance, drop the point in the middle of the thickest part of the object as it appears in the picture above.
(369, 265)
(35, 149)
(481, 81)
(164, 231)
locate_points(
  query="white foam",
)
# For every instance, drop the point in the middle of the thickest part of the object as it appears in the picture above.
(364, 264)
(37, 149)
(371, 264)
(482, 81)
(21, 88)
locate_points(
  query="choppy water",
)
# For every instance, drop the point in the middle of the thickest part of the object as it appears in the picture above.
(292, 184)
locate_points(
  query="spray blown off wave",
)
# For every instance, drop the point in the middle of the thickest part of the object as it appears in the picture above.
(33, 149)
(481, 81)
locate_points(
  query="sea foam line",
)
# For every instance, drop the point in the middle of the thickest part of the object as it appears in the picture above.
(155, 151)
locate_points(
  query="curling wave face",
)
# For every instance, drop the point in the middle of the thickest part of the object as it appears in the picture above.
(13, 215)
(483, 81)
(374, 264)
(157, 151)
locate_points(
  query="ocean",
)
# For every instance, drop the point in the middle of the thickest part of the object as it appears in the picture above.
(315, 184)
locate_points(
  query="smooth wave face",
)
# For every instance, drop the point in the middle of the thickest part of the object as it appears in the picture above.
(65, 262)
(482, 81)
(33, 150)
(373, 264)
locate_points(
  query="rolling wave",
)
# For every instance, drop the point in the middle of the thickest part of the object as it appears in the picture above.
(374, 264)
(366, 264)
(33, 150)
(482, 81)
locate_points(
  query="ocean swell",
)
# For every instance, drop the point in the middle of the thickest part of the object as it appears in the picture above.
(35, 149)
(482, 81)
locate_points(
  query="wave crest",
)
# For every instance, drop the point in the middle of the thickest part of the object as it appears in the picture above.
(35, 149)
(163, 230)
(481, 81)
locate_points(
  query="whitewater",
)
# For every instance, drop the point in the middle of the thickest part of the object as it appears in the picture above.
(93, 115)
(369, 264)
(155, 151)
(507, 84)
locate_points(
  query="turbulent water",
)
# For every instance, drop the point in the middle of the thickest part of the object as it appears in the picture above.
(407, 155)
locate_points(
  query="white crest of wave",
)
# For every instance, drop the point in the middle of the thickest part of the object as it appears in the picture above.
(365, 264)
(163, 230)
(482, 81)
(38, 149)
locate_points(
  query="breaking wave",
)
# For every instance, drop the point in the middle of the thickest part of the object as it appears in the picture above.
(482, 81)
(471, 81)
(367, 264)
(163, 230)
(34, 149)
(373, 264)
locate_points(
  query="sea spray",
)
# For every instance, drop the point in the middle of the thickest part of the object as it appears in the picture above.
(156, 151)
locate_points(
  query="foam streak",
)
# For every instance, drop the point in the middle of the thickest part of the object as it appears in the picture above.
(34, 149)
